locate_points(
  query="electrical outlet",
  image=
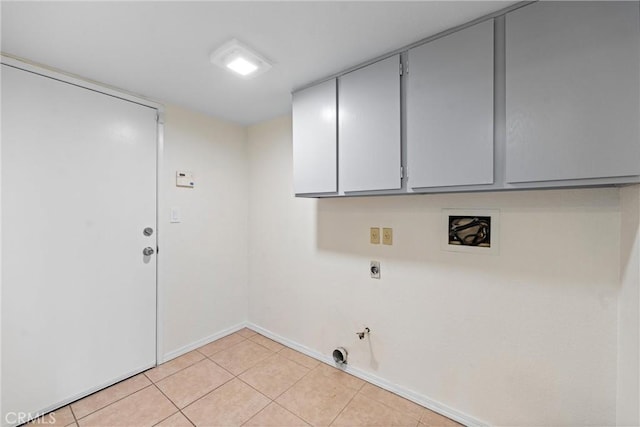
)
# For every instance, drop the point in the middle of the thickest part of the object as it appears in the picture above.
(374, 235)
(374, 269)
(387, 236)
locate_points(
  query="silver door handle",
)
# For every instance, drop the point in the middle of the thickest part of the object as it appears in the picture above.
(148, 251)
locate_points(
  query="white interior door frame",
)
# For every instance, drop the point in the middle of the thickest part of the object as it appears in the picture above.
(97, 87)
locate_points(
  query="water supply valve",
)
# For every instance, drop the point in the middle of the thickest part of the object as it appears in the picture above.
(364, 333)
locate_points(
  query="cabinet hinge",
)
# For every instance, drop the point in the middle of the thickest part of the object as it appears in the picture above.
(402, 172)
(404, 68)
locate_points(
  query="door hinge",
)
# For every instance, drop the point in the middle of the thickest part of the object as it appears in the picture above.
(401, 68)
(401, 172)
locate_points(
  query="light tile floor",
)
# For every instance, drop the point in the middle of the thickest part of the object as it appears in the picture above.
(245, 379)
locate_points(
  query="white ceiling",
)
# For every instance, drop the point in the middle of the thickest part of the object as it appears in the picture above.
(161, 49)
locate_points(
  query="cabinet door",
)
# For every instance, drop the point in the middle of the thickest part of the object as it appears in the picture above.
(572, 91)
(450, 109)
(315, 148)
(369, 123)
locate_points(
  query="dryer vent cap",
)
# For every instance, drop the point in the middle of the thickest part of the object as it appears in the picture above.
(340, 355)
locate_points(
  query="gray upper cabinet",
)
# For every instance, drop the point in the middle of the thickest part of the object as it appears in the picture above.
(450, 109)
(539, 95)
(315, 147)
(369, 127)
(572, 91)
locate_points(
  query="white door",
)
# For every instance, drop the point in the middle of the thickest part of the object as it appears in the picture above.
(78, 189)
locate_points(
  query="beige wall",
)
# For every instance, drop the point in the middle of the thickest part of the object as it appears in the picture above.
(545, 332)
(203, 259)
(527, 337)
(628, 396)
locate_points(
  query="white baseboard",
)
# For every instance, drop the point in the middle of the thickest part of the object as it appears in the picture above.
(411, 395)
(196, 344)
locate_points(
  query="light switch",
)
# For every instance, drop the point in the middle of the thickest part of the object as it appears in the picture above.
(184, 179)
(387, 236)
(374, 235)
(175, 215)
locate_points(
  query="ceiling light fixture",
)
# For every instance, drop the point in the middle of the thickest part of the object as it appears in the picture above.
(239, 58)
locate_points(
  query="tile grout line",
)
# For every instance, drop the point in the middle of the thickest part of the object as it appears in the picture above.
(357, 391)
(74, 415)
(309, 370)
(173, 403)
(388, 405)
(201, 397)
(293, 385)
(205, 395)
(259, 392)
(294, 414)
(222, 367)
(269, 339)
(273, 351)
(261, 360)
(205, 357)
(224, 349)
(173, 373)
(115, 401)
(317, 361)
(345, 407)
(270, 400)
(197, 350)
(295, 382)
(251, 331)
(189, 419)
(279, 405)
(243, 382)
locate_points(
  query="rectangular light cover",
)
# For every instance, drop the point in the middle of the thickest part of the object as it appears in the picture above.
(242, 60)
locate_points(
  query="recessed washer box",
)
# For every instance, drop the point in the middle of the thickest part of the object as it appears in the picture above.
(471, 230)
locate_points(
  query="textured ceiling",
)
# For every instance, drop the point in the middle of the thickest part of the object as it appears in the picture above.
(161, 49)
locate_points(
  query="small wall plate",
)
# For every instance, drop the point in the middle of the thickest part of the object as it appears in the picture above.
(374, 269)
(184, 179)
(464, 242)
